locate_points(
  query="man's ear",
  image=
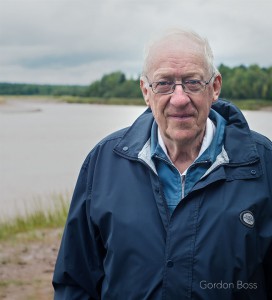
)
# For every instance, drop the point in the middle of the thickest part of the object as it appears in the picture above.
(217, 84)
(145, 91)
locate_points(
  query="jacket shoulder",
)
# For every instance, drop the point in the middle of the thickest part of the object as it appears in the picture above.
(113, 136)
(261, 140)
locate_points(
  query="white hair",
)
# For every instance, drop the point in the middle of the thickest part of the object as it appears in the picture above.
(177, 35)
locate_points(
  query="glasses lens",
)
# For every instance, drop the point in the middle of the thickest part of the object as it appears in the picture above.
(163, 87)
(193, 86)
(189, 86)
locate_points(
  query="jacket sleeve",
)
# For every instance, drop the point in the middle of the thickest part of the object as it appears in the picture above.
(78, 271)
(267, 166)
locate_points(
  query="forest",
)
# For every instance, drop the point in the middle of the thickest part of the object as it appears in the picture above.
(240, 82)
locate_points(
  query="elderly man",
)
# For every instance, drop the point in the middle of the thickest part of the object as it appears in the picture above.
(179, 205)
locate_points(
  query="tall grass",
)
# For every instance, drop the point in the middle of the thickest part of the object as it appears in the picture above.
(39, 218)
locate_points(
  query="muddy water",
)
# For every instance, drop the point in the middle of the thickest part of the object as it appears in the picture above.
(42, 146)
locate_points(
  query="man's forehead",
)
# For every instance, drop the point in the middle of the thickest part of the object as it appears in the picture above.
(183, 43)
(167, 52)
(167, 63)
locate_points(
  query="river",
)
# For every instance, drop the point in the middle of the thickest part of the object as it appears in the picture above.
(42, 147)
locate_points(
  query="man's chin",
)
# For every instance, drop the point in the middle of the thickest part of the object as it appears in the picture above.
(182, 136)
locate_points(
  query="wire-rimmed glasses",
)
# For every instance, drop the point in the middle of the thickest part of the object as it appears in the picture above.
(190, 86)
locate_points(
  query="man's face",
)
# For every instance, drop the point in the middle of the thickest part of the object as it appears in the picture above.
(181, 116)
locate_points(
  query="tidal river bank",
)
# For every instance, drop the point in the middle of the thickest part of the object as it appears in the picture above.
(43, 144)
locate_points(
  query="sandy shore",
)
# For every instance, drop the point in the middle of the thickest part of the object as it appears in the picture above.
(26, 265)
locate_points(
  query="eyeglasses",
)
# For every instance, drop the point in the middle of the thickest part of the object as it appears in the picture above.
(191, 86)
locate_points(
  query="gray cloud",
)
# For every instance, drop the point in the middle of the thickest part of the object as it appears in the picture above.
(77, 41)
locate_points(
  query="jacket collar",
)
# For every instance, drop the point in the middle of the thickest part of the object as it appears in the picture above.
(238, 141)
(136, 136)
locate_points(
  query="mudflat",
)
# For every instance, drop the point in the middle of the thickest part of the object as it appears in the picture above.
(27, 263)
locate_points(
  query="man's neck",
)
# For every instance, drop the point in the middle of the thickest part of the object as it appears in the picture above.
(183, 155)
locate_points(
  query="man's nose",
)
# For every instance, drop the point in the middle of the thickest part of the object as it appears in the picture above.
(179, 97)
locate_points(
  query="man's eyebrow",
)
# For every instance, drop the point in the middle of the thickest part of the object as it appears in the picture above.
(167, 74)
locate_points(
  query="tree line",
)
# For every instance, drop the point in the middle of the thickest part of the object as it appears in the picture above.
(41, 89)
(241, 82)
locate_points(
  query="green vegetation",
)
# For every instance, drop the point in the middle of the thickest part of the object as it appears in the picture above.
(39, 89)
(108, 101)
(38, 219)
(115, 85)
(243, 82)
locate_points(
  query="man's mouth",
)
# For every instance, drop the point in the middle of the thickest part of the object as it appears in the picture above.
(181, 117)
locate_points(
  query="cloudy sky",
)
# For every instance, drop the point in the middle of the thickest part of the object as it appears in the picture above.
(77, 41)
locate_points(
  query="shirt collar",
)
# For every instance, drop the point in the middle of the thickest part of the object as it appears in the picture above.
(158, 147)
(208, 137)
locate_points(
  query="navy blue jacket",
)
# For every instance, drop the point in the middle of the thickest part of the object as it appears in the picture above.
(121, 243)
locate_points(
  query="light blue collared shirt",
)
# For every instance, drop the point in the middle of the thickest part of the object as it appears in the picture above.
(176, 185)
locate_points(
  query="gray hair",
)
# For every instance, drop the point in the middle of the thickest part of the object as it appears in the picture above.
(178, 35)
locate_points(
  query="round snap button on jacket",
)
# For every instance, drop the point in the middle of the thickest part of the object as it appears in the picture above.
(169, 264)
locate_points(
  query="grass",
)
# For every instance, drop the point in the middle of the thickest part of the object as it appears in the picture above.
(252, 104)
(97, 100)
(38, 219)
(5, 283)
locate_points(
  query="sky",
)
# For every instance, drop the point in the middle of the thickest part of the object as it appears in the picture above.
(78, 41)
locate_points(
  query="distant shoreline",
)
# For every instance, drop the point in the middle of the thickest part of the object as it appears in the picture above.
(247, 104)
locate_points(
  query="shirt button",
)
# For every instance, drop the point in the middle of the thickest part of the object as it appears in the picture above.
(169, 264)
(253, 172)
(125, 148)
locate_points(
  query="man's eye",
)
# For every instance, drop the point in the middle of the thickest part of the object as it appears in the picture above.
(164, 83)
(192, 82)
